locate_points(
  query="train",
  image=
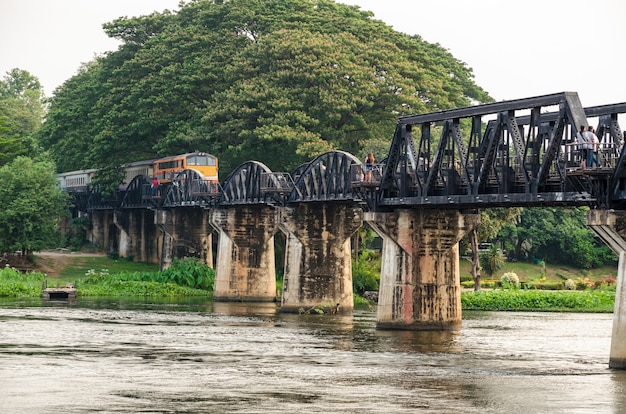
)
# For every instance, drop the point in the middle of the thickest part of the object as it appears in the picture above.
(165, 169)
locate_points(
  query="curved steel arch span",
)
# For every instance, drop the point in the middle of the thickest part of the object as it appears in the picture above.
(190, 188)
(244, 185)
(138, 193)
(327, 177)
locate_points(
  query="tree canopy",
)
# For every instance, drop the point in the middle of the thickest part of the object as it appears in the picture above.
(556, 235)
(31, 204)
(22, 105)
(277, 81)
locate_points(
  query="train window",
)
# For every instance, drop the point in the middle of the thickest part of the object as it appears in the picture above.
(168, 164)
(202, 160)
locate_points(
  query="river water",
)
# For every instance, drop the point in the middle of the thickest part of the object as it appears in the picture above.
(132, 357)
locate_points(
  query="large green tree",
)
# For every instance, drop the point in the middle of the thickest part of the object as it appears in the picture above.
(31, 204)
(556, 235)
(22, 105)
(278, 81)
(491, 222)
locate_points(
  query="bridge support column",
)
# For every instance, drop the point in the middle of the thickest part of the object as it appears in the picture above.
(420, 285)
(186, 232)
(137, 234)
(610, 226)
(246, 269)
(103, 232)
(163, 220)
(318, 262)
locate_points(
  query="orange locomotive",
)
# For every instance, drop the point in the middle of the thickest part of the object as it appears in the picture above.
(167, 168)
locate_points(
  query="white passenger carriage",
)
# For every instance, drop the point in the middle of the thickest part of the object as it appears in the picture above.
(76, 182)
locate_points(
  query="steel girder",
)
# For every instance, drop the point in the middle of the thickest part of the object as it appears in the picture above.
(500, 160)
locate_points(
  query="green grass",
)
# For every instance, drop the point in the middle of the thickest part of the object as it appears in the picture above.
(528, 272)
(79, 266)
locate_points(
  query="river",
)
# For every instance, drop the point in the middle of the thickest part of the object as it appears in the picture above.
(134, 357)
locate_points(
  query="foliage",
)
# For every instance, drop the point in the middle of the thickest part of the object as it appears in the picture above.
(366, 272)
(606, 281)
(570, 284)
(77, 235)
(22, 105)
(584, 283)
(492, 260)
(538, 300)
(509, 280)
(14, 283)
(116, 285)
(30, 205)
(278, 81)
(557, 235)
(187, 273)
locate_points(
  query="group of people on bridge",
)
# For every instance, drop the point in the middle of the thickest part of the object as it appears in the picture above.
(588, 144)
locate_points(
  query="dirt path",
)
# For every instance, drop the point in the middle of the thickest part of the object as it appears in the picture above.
(53, 262)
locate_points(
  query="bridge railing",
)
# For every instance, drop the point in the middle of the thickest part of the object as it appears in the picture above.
(276, 182)
(202, 187)
(608, 154)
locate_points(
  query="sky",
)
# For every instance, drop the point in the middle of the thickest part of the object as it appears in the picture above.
(516, 49)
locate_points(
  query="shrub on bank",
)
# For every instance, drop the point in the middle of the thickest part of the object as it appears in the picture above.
(186, 277)
(14, 283)
(509, 280)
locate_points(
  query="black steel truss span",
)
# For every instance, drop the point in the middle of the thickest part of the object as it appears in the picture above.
(250, 184)
(513, 153)
(328, 177)
(189, 188)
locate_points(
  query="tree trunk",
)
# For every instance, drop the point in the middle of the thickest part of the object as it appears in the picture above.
(475, 259)
(518, 248)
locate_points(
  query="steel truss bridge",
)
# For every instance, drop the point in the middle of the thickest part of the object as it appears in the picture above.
(512, 153)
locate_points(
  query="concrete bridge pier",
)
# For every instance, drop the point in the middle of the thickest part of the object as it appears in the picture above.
(137, 234)
(610, 226)
(318, 262)
(185, 232)
(246, 268)
(420, 286)
(103, 232)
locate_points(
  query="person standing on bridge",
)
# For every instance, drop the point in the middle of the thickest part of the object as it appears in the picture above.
(582, 145)
(593, 143)
(369, 167)
(155, 186)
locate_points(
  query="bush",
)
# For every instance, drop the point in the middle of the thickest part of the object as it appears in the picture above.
(570, 284)
(584, 283)
(468, 284)
(606, 281)
(509, 280)
(366, 272)
(14, 283)
(467, 278)
(541, 285)
(492, 260)
(537, 300)
(186, 277)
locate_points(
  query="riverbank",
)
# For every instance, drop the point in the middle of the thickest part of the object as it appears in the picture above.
(124, 278)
